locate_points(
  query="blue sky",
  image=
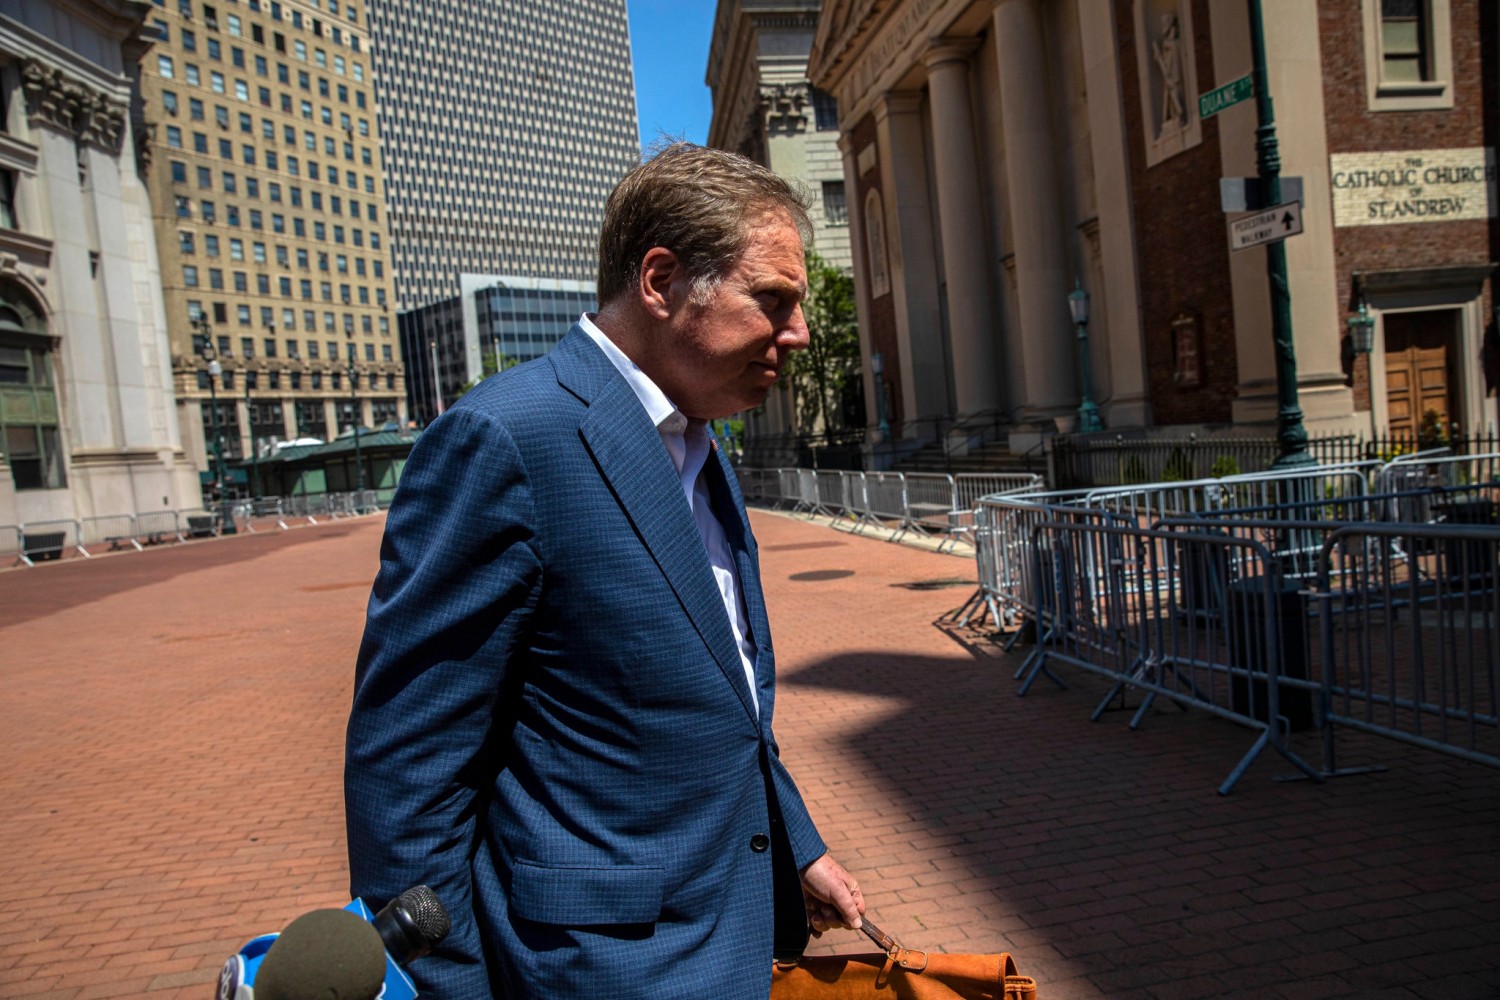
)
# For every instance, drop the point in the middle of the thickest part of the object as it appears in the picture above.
(669, 47)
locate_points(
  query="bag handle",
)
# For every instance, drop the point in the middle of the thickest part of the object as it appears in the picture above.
(911, 961)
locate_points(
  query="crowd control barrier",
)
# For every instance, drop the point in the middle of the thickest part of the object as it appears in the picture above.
(1109, 600)
(1409, 620)
(39, 541)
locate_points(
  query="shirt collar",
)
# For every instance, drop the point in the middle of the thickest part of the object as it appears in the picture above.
(665, 416)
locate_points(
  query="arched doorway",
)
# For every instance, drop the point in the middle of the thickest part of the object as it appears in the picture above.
(29, 434)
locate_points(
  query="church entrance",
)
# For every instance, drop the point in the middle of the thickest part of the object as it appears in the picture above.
(1421, 377)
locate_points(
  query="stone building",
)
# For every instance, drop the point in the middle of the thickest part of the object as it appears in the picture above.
(265, 184)
(87, 427)
(999, 153)
(764, 108)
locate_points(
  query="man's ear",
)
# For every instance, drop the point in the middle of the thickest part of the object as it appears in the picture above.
(660, 270)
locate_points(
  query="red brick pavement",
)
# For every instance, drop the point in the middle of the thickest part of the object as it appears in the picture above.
(170, 753)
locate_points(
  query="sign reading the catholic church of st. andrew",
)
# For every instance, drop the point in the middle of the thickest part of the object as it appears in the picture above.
(1415, 185)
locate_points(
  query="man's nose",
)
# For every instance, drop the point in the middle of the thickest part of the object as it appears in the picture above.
(794, 336)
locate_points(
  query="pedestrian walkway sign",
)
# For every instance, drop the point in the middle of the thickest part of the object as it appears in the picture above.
(1227, 96)
(1265, 227)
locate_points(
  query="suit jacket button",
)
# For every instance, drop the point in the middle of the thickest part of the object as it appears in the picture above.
(759, 843)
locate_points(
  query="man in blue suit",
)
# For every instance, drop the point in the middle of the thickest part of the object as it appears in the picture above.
(563, 704)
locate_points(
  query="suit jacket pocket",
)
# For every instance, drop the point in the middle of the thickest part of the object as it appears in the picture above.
(579, 896)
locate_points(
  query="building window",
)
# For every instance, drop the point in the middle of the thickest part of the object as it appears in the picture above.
(1408, 54)
(29, 439)
(8, 199)
(164, 67)
(825, 110)
(835, 209)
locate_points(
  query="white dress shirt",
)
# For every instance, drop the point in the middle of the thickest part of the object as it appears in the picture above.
(688, 444)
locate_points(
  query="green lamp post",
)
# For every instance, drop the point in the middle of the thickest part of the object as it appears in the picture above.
(1088, 412)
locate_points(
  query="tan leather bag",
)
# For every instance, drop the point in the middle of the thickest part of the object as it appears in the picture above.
(901, 974)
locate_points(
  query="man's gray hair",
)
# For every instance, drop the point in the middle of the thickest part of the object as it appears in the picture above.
(701, 204)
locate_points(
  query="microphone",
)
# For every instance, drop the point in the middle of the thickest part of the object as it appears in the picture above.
(347, 954)
(325, 954)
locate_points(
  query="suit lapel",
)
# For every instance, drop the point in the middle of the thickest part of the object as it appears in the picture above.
(730, 507)
(634, 462)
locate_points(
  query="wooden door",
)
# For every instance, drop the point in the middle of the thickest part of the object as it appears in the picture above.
(1419, 376)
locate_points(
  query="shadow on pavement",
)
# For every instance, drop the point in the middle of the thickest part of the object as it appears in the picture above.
(1106, 862)
(77, 581)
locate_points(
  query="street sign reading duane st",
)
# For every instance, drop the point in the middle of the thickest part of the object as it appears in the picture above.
(1227, 96)
(1265, 227)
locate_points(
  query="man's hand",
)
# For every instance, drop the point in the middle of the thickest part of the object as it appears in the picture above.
(833, 897)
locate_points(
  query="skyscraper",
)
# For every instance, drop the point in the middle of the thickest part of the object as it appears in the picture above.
(504, 127)
(265, 188)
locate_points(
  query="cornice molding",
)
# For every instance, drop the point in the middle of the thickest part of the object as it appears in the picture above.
(92, 116)
(783, 106)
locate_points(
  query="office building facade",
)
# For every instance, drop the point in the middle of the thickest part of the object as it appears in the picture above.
(505, 126)
(265, 183)
(495, 322)
(87, 428)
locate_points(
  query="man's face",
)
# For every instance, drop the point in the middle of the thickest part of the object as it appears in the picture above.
(724, 355)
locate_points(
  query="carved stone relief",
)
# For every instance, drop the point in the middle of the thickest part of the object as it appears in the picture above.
(1166, 69)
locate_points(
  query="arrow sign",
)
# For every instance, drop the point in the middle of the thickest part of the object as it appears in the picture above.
(1266, 227)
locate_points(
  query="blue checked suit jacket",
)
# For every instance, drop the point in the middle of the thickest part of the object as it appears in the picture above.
(551, 722)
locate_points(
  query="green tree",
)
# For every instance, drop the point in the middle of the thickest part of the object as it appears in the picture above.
(488, 368)
(831, 360)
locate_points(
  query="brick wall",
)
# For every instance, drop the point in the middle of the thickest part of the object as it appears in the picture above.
(1180, 244)
(1353, 128)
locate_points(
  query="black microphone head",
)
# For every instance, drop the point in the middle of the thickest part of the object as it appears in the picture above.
(323, 955)
(412, 923)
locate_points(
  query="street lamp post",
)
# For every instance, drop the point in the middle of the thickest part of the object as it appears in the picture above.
(877, 368)
(1290, 433)
(1088, 413)
(437, 391)
(359, 465)
(1362, 339)
(226, 509)
(254, 447)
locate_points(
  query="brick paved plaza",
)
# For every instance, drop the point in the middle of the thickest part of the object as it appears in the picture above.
(171, 745)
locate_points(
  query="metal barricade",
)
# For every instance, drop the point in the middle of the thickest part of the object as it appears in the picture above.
(1149, 503)
(118, 531)
(1410, 649)
(885, 501)
(1109, 601)
(199, 524)
(265, 509)
(10, 542)
(1009, 524)
(158, 527)
(807, 492)
(832, 499)
(788, 487)
(970, 486)
(931, 499)
(44, 540)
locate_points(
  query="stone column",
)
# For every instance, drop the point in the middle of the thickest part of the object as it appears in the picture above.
(976, 376)
(922, 365)
(1118, 309)
(1047, 347)
(860, 266)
